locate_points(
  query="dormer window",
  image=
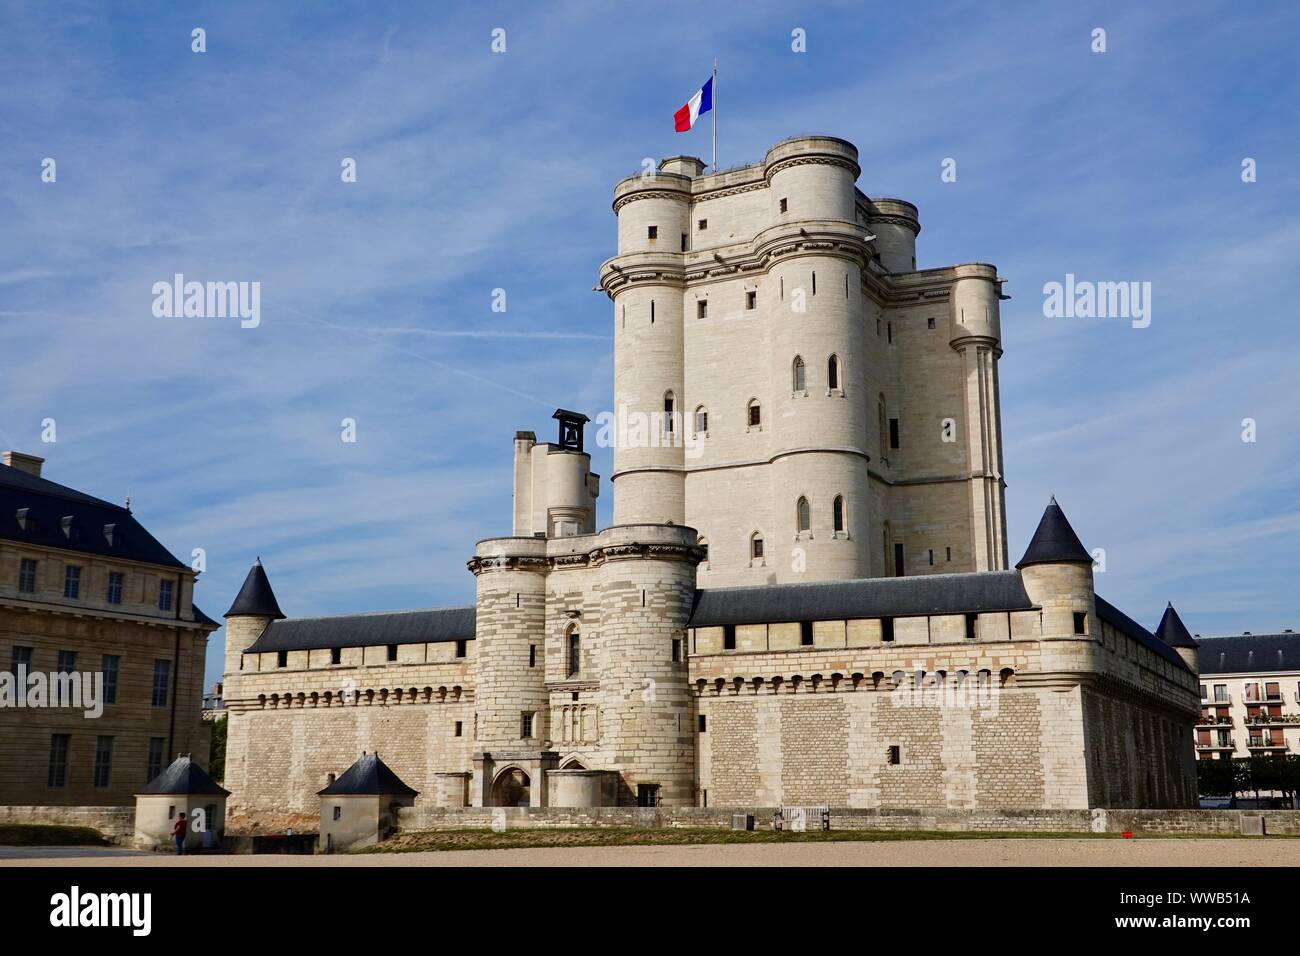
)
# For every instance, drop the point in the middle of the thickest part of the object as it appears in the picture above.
(70, 529)
(26, 520)
(112, 535)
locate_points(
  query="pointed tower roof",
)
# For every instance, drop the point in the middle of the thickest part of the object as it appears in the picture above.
(367, 777)
(1055, 541)
(256, 598)
(183, 776)
(1172, 631)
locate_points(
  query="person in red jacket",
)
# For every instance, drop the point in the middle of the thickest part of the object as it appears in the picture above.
(178, 832)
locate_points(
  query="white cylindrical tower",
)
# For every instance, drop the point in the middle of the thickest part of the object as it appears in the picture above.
(510, 632)
(818, 343)
(645, 281)
(895, 223)
(647, 591)
(975, 333)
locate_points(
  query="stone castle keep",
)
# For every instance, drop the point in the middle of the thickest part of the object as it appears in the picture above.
(805, 597)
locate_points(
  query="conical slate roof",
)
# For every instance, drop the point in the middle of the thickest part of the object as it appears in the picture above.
(256, 597)
(367, 777)
(1172, 631)
(1055, 541)
(183, 776)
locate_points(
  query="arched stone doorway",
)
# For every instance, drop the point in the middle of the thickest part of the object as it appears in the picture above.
(512, 789)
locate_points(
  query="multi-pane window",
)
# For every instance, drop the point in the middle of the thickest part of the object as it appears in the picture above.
(165, 590)
(21, 657)
(800, 382)
(575, 652)
(103, 761)
(58, 776)
(756, 548)
(647, 795)
(67, 662)
(162, 671)
(27, 576)
(108, 666)
(72, 581)
(155, 765)
(1221, 692)
(115, 579)
(525, 725)
(755, 414)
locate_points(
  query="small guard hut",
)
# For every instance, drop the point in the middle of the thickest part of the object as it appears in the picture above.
(184, 787)
(360, 807)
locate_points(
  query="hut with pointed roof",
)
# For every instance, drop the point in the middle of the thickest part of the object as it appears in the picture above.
(183, 787)
(361, 806)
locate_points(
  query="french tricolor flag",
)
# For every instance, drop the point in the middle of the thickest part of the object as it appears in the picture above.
(699, 104)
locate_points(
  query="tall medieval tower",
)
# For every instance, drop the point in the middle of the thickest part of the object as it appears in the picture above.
(788, 383)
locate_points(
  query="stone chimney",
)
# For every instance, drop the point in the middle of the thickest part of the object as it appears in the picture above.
(28, 463)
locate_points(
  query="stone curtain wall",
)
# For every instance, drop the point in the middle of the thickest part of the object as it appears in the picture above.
(1006, 820)
(117, 824)
(287, 755)
(1137, 756)
(834, 750)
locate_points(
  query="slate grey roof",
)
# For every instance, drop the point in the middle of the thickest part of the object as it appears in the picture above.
(256, 597)
(1247, 653)
(428, 626)
(1172, 631)
(47, 505)
(183, 776)
(1054, 541)
(369, 776)
(1126, 625)
(202, 618)
(860, 598)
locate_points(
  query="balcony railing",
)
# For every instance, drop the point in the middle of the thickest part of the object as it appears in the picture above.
(1260, 744)
(1230, 744)
(1214, 719)
(1288, 720)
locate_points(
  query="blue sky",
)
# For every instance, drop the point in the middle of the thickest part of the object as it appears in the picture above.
(479, 171)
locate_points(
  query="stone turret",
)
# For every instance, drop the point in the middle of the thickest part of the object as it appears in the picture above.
(1057, 573)
(254, 608)
(1172, 631)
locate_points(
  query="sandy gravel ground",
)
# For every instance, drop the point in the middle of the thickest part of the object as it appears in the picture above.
(1016, 852)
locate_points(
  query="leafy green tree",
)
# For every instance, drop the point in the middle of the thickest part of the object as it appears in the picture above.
(217, 752)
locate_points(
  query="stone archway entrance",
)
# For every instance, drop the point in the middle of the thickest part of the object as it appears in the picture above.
(513, 788)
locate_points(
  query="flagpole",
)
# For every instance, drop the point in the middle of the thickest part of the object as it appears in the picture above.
(715, 114)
